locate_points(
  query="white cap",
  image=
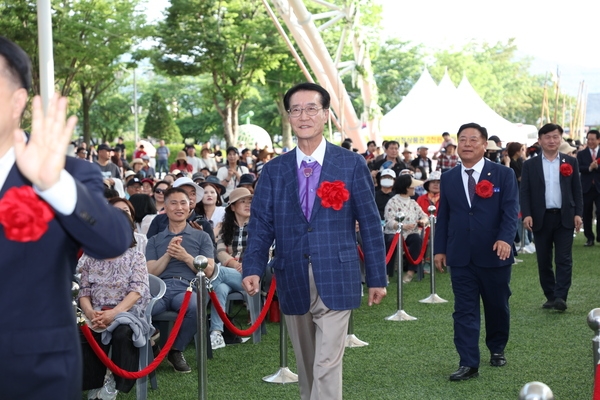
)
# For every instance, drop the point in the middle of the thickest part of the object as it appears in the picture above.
(187, 181)
(389, 172)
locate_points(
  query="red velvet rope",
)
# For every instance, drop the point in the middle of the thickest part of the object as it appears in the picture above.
(423, 248)
(259, 320)
(597, 384)
(152, 366)
(390, 253)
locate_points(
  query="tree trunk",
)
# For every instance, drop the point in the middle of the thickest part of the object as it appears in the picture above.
(230, 122)
(286, 127)
(85, 107)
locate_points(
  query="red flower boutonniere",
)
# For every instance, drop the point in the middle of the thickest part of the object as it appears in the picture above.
(484, 189)
(24, 215)
(333, 194)
(566, 169)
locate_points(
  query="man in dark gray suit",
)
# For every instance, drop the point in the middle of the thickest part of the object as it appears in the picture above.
(552, 205)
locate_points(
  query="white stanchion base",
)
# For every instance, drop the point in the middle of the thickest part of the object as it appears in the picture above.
(400, 315)
(433, 299)
(283, 376)
(353, 341)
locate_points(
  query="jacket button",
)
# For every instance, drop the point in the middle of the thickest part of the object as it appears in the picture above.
(470, 213)
(305, 255)
(310, 229)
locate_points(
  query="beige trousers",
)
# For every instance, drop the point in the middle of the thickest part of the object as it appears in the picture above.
(319, 339)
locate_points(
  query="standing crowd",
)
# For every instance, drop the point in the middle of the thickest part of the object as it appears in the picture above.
(313, 202)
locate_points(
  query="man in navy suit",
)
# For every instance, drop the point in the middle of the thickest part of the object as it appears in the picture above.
(475, 229)
(308, 201)
(40, 355)
(552, 205)
(590, 186)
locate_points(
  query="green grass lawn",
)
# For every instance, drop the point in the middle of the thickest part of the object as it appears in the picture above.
(413, 359)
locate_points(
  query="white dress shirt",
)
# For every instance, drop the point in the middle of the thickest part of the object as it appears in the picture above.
(318, 155)
(477, 168)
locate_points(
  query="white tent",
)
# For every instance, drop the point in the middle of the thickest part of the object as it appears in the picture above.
(428, 110)
(474, 106)
(415, 103)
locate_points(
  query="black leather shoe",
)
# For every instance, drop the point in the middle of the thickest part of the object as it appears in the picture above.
(560, 304)
(497, 360)
(589, 243)
(464, 373)
(548, 304)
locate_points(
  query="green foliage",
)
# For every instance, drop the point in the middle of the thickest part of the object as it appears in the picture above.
(397, 66)
(89, 39)
(110, 116)
(234, 42)
(159, 122)
(501, 80)
(194, 112)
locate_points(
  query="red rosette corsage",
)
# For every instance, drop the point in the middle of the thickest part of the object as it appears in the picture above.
(333, 194)
(566, 169)
(484, 189)
(24, 215)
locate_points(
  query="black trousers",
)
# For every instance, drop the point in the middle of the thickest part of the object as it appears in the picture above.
(124, 354)
(590, 198)
(414, 241)
(554, 235)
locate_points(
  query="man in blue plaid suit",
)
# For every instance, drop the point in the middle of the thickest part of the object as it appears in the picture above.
(308, 200)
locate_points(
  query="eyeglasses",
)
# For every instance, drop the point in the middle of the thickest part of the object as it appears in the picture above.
(160, 191)
(310, 111)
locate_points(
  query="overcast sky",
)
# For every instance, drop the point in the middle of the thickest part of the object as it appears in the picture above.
(561, 34)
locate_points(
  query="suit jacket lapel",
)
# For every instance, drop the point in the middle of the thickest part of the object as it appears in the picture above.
(330, 171)
(563, 179)
(483, 176)
(292, 183)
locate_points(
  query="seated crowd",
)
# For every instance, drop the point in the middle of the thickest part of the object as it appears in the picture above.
(199, 206)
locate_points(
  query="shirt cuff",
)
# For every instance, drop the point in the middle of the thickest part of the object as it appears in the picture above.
(62, 196)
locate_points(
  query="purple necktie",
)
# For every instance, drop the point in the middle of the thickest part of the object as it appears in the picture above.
(308, 179)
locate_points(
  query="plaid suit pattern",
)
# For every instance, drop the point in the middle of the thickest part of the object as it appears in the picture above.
(328, 240)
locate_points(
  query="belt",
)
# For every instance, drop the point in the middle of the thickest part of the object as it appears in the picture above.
(553, 210)
(179, 278)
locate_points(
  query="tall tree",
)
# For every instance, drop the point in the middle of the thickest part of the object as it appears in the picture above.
(396, 65)
(233, 41)
(503, 81)
(90, 37)
(110, 115)
(159, 122)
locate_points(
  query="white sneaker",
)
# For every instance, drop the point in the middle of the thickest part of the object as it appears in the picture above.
(216, 340)
(531, 248)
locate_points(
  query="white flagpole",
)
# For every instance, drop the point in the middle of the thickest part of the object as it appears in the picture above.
(46, 51)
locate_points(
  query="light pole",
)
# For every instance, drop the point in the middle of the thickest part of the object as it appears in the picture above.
(135, 109)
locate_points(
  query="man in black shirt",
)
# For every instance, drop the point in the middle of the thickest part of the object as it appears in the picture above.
(391, 161)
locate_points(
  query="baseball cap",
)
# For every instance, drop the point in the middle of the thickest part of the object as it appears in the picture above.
(198, 176)
(134, 181)
(104, 146)
(389, 172)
